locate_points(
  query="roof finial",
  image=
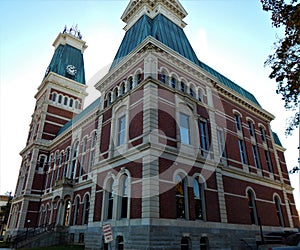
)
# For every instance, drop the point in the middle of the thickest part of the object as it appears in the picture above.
(73, 31)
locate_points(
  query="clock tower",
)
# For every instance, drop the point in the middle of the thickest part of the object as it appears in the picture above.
(59, 98)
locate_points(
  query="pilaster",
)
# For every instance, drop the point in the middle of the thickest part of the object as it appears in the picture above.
(221, 196)
(150, 187)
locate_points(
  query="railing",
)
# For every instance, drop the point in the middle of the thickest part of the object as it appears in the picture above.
(246, 243)
(30, 233)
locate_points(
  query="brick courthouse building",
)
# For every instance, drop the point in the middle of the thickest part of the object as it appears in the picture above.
(173, 155)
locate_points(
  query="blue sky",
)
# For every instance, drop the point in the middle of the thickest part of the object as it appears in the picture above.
(233, 36)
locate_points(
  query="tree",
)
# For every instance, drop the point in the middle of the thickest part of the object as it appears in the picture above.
(285, 62)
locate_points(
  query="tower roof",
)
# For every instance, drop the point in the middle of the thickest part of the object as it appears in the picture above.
(68, 54)
(170, 34)
(172, 9)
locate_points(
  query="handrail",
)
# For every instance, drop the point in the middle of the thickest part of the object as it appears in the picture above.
(29, 233)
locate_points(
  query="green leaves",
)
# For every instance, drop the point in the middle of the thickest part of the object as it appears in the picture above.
(285, 62)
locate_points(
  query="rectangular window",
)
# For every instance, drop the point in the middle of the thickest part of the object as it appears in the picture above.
(251, 128)
(221, 143)
(268, 160)
(242, 152)
(121, 130)
(238, 123)
(204, 135)
(184, 129)
(256, 156)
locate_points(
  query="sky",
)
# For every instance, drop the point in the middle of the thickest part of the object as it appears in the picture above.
(233, 36)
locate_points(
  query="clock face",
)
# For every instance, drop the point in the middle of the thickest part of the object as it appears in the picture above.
(71, 70)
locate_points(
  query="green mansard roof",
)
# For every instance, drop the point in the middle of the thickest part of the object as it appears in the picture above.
(171, 35)
(66, 55)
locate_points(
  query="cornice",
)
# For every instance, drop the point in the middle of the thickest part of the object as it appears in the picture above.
(54, 79)
(238, 174)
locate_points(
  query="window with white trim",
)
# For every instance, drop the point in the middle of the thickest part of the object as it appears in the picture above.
(173, 82)
(86, 210)
(83, 156)
(238, 123)
(74, 161)
(256, 156)
(221, 142)
(251, 128)
(93, 149)
(67, 160)
(181, 197)
(182, 87)
(252, 207)
(184, 129)
(109, 192)
(242, 149)
(268, 161)
(121, 130)
(199, 199)
(279, 211)
(204, 136)
(124, 192)
(262, 134)
(76, 211)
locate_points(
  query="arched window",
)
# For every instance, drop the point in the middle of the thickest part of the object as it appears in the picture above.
(180, 197)
(116, 93)
(252, 207)
(71, 103)
(47, 213)
(130, 83)
(93, 149)
(60, 98)
(278, 211)
(67, 159)
(86, 209)
(124, 188)
(204, 244)
(138, 78)
(53, 97)
(66, 99)
(173, 82)
(262, 133)
(185, 243)
(67, 212)
(182, 87)
(60, 158)
(41, 212)
(74, 160)
(76, 211)
(251, 127)
(163, 77)
(199, 200)
(76, 104)
(200, 95)
(192, 90)
(83, 156)
(123, 89)
(238, 123)
(120, 243)
(108, 99)
(109, 199)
